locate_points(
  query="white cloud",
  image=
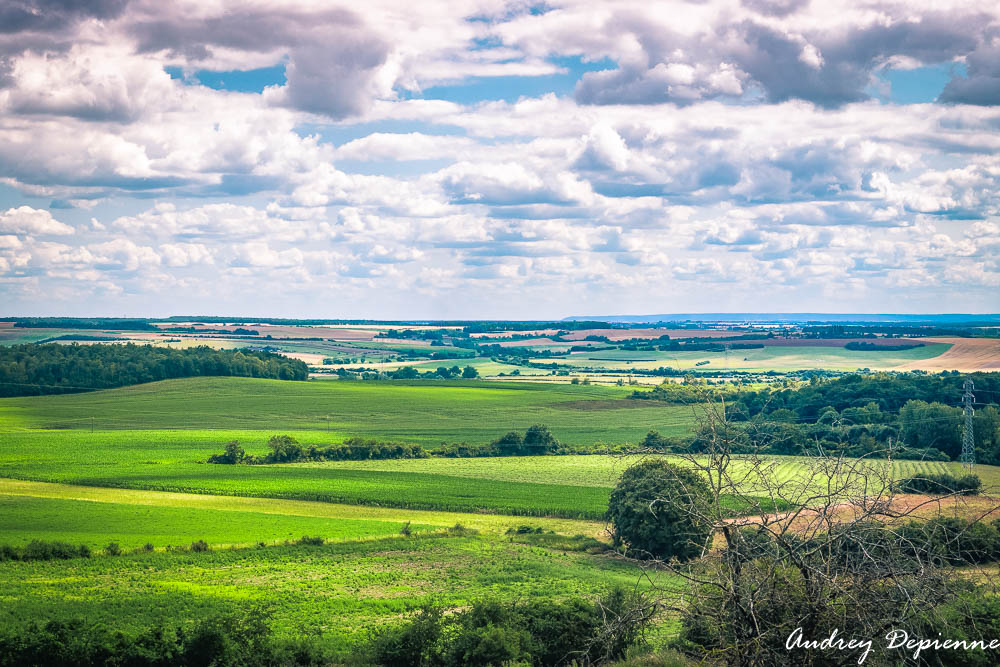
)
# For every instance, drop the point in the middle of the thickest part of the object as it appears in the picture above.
(727, 145)
(27, 220)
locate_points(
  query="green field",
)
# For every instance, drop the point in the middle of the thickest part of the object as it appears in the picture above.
(158, 468)
(158, 436)
(338, 591)
(327, 514)
(128, 465)
(420, 412)
(604, 471)
(25, 518)
(778, 358)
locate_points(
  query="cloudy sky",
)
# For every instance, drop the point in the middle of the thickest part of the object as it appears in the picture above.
(442, 159)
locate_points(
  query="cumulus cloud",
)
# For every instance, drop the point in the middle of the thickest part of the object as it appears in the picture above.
(27, 220)
(728, 144)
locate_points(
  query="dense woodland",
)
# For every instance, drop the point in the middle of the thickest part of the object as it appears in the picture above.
(916, 414)
(31, 370)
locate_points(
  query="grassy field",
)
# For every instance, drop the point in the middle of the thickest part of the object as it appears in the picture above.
(338, 591)
(420, 412)
(158, 436)
(214, 506)
(24, 518)
(604, 471)
(409, 490)
(128, 465)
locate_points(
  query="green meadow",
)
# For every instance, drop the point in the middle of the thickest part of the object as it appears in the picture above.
(427, 412)
(25, 518)
(128, 465)
(335, 592)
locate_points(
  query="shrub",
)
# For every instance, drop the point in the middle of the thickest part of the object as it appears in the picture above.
(200, 546)
(966, 485)
(405, 530)
(284, 449)
(311, 541)
(539, 440)
(113, 549)
(234, 454)
(654, 512)
(458, 530)
(229, 641)
(42, 550)
(494, 633)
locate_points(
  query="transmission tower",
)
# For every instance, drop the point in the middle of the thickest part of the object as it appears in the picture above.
(968, 442)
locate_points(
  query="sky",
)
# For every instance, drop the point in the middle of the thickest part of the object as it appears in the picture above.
(491, 159)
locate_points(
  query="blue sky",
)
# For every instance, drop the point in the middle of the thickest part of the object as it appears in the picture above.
(499, 160)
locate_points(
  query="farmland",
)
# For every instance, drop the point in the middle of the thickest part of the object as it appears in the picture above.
(128, 465)
(336, 591)
(216, 505)
(553, 354)
(778, 358)
(25, 518)
(470, 411)
(157, 437)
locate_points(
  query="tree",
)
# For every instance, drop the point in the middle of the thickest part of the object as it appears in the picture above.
(986, 428)
(509, 444)
(284, 448)
(656, 511)
(470, 373)
(234, 454)
(935, 425)
(539, 440)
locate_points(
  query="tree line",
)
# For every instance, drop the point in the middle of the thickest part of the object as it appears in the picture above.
(537, 440)
(32, 370)
(916, 414)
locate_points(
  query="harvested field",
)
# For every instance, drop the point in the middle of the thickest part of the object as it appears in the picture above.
(284, 331)
(626, 334)
(910, 506)
(531, 342)
(505, 334)
(835, 342)
(965, 355)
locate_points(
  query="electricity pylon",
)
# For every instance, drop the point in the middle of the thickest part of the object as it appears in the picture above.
(968, 457)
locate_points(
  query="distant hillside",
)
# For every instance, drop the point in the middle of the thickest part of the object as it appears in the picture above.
(929, 318)
(32, 370)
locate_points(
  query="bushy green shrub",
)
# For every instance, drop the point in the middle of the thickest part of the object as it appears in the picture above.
(54, 550)
(966, 485)
(653, 512)
(492, 633)
(239, 640)
(285, 449)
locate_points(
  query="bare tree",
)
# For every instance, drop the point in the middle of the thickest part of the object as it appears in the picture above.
(830, 552)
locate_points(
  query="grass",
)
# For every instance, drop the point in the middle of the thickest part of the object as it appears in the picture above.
(340, 591)
(422, 412)
(410, 490)
(24, 518)
(598, 470)
(332, 512)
